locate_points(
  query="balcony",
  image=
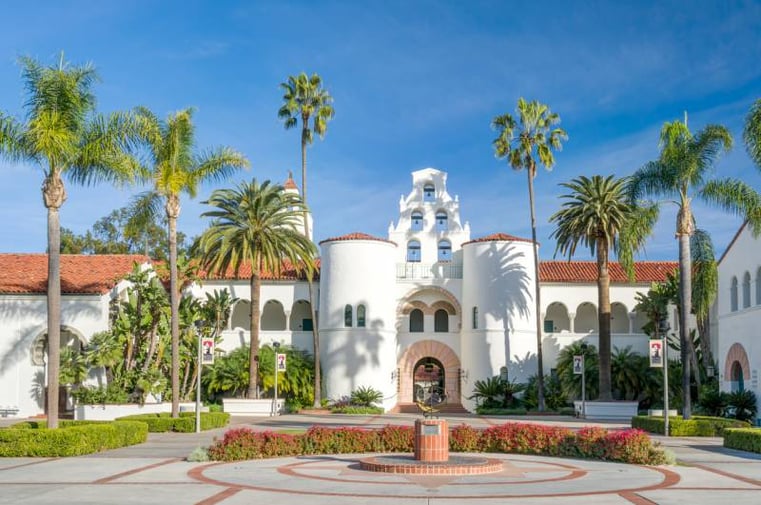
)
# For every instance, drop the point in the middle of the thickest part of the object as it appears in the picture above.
(414, 271)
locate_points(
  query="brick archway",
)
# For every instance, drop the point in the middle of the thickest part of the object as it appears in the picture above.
(423, 349)
(737, 353)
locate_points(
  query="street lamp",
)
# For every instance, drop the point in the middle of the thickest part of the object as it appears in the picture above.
(663, 329)
(276, 346)
(583, 347)
(198, 325)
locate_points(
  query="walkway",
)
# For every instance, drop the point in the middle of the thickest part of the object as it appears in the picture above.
(155, 473)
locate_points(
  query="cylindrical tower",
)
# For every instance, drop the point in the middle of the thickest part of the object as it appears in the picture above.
(357, 315)
(498, 328)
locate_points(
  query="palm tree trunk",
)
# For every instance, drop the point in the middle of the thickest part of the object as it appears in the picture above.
(684, 224)
(538, 307)
(253, 364)
(315, 330)
(603, 319)
(704, 331)
(53, 194)
(172, 212)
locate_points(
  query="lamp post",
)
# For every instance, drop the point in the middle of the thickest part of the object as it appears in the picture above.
(198, 324)
(583, 380)
(663, 329)
(276, 347)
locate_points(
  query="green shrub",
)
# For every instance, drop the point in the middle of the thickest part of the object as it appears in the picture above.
(742, 405)
(365, 396)
(93, 395)
(697, 426)
(485, 411)
(162, 421)
(71, 439)
(356, 410)
(745, 439)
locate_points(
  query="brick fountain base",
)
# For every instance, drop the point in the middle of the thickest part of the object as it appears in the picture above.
(431, 455)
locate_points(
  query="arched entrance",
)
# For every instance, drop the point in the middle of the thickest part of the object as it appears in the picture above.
(429, 361)
(736, 367)
(737, 383)
(428, 377)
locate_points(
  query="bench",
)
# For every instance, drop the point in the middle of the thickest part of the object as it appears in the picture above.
(608, 411)
(241, 407)
(8, 411)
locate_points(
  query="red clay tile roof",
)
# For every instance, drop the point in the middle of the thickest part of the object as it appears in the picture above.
(80, 274)
(586, 271)
(287, 273)
(355, 236)
(290, 183)
(498, 237)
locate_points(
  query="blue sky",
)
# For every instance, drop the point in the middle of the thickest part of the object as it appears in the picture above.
(416, 85)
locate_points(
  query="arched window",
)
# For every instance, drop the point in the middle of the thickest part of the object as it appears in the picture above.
(445, 250)
(413, 251)
(429, 193)
(733, 295)
(347, 316)
(416, 321)
(758, 286)
(360, 316)
(475, 318)
(746, 290)
(416, 221)
(441, 321)
(441, 221)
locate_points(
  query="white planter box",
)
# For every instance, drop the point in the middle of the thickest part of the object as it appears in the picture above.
(241, 407)
(659, 413)
(610, 411)
(111, 412)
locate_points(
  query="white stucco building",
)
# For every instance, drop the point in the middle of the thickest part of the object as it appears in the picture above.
(426, 305)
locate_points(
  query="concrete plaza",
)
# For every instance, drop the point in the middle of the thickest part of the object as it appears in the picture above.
(156, 473)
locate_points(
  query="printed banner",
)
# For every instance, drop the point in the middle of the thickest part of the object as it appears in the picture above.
(207, 356)
(281, 362)
(656, 353)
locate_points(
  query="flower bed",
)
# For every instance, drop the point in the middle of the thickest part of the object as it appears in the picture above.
(73, 438)
(629, 446)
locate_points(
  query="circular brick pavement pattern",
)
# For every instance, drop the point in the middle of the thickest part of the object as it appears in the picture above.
(520, 477)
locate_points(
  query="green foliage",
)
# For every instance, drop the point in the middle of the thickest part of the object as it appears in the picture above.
(93, 395)
(198, 455)
(482, 410)
(745, 439)
(365, 396)
(742, 405)
(629, 374)
(73, 439)
(697, 426)
(186, 423)
(712, 401)
(357, 410)
(555, 398)
(571, 383)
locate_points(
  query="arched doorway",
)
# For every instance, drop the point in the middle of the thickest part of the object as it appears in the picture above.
(441, 357)
(736, 368)
(428, 377)
(737, 383)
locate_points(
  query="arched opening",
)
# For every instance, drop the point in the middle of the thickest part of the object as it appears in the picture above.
(273, 316)
(429, 193)
(360, 316)
(556, 319)
(241, 317)
(640, 321)
(441, 321)
(445, 250)
(72, 344)
(733, 295)
(441, 221)
(301, 316)
(758, 286)
(619, 318)
(348, 319)
(428, 378)
(586, 319)
(416, 321)
(413, 251)
(737, 381)
(746, 290)
(416, 221)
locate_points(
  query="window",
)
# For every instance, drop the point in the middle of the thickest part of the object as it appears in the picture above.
(475, 318)
(417, 221)
(441, 321)
(733, 295)
(360, 316)
(347, 316)
(746, 290)
(758, 286)
(416, 321)
(549, 326)
(445, 250)
(441, 221)
(429, 193)
(413, 251)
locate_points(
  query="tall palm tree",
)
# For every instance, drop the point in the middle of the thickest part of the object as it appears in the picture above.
(304, 98)
(62, 133)
(705, 287)
(177, 168)
(682, 172)
(523, 145)
(255, 226)
(598, 214)
(752, 133)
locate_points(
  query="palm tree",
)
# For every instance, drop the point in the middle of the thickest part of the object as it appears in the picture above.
(682, 172)
(705, 287)
(177, 168)
(62, 133)
(599, 215)
(535, 137)
(255, 226)
(752, 132)
(304, 98)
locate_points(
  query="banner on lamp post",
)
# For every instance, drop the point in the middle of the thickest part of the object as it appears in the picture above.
(207, 357)
(656, 353)
(578, 365)
(281, 362)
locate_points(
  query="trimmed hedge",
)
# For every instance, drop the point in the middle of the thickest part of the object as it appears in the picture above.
(72, 438)
(697, 426)
(488, 411)
(186, 423)
(357, 410)
(629, 446)
(745, 439)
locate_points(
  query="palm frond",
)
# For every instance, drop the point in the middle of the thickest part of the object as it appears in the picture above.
(705, 274)
(752, 133)
(733, 196)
